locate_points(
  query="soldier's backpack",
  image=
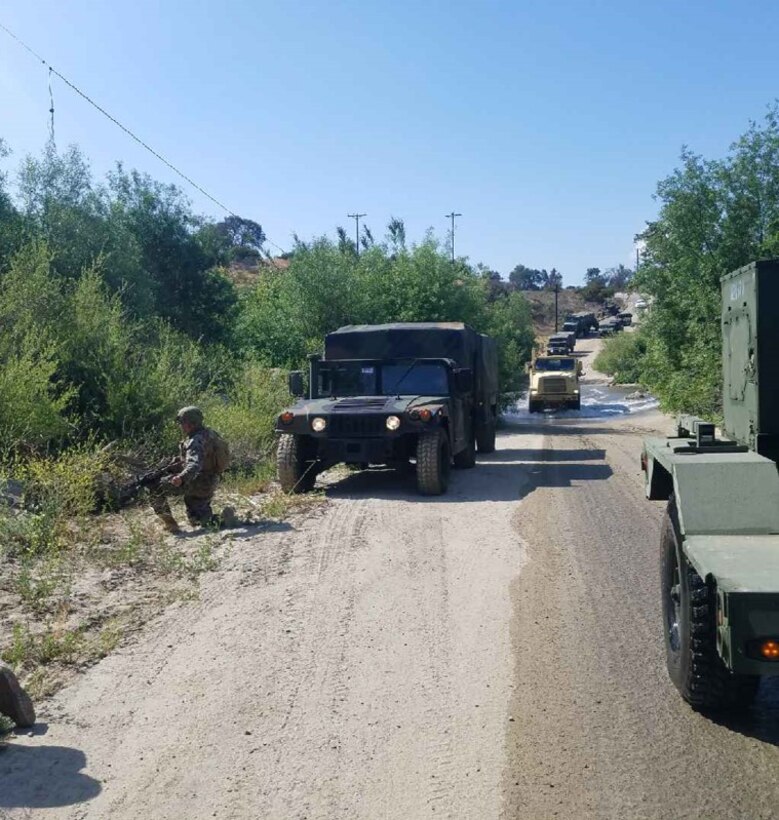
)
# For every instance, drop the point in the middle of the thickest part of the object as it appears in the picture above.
(220, 452)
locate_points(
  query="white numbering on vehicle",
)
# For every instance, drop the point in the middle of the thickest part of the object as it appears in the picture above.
(736, 291)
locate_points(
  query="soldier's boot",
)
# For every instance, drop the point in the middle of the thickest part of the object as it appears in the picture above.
(227, 519)
(169, 523)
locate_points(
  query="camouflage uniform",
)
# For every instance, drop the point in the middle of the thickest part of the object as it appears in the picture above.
(198, 474)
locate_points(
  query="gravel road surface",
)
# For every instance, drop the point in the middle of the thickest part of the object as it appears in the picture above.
(494, 653)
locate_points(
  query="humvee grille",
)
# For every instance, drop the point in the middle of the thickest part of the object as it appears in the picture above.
(357, 425)
(554, 385)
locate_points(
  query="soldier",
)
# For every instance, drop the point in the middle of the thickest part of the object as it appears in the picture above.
(195, 473)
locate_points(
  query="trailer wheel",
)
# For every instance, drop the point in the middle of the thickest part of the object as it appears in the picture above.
(485, 437)
(689, 612)
(295, 464)
(433, 462)
(466, 458)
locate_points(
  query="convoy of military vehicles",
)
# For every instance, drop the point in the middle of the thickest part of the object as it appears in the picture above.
(427, 393)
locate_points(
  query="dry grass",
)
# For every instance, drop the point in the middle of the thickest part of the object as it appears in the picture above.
(64, 607)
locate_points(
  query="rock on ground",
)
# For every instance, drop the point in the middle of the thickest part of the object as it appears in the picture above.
(14, 701)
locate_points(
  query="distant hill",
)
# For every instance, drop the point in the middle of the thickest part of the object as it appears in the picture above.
(245, 274)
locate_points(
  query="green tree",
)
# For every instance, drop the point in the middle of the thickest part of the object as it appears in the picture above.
(524, 278)
(715, 216)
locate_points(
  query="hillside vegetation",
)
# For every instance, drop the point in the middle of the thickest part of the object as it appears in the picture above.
(116, 309)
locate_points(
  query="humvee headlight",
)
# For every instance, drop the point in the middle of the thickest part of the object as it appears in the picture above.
(393, 422)
(287, 417)
(318, 424)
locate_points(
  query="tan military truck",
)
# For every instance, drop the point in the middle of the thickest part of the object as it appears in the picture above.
(554, 383)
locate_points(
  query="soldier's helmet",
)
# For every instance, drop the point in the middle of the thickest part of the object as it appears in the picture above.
(192, 415)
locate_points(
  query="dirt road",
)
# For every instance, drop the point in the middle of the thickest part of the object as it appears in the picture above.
(494, 653)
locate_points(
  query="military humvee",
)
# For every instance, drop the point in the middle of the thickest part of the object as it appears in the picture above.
(396, 394)
(561, 344)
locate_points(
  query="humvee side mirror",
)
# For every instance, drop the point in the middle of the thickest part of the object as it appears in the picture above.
(296, 386)
(463, 380)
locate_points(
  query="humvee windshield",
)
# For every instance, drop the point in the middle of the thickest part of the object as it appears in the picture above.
(563, 363)
(374, 379)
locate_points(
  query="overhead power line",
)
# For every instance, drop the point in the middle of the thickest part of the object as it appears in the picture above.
(124, 128)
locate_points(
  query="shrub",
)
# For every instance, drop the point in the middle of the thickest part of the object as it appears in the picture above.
(622, 357)
(246, 416)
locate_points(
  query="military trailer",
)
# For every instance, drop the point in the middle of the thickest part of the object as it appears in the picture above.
(554, 383)
(719, 567)
(561, 344)
(395, 394)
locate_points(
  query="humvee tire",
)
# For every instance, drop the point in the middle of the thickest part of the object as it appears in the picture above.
(466, 458)
(295, 468)
(485, 439)
(433, 462)
(532, 407)
(576, 404)
(689, 627)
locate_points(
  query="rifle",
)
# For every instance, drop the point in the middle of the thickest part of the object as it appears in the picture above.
(129, 491)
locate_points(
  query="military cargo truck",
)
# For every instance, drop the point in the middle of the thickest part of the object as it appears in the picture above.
(719, 553)
(392, 395)
(554, 383)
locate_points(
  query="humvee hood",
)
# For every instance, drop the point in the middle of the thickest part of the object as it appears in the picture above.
(367, 404)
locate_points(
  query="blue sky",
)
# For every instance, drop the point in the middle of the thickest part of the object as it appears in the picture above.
(547, 125)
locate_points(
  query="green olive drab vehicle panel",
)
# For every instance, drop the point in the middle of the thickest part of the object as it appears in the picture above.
(750, 361)
(716, 492)
(740, 563)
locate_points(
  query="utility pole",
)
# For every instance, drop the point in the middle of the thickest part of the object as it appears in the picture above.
(452, 217)
(356, 218)
(556, 280)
